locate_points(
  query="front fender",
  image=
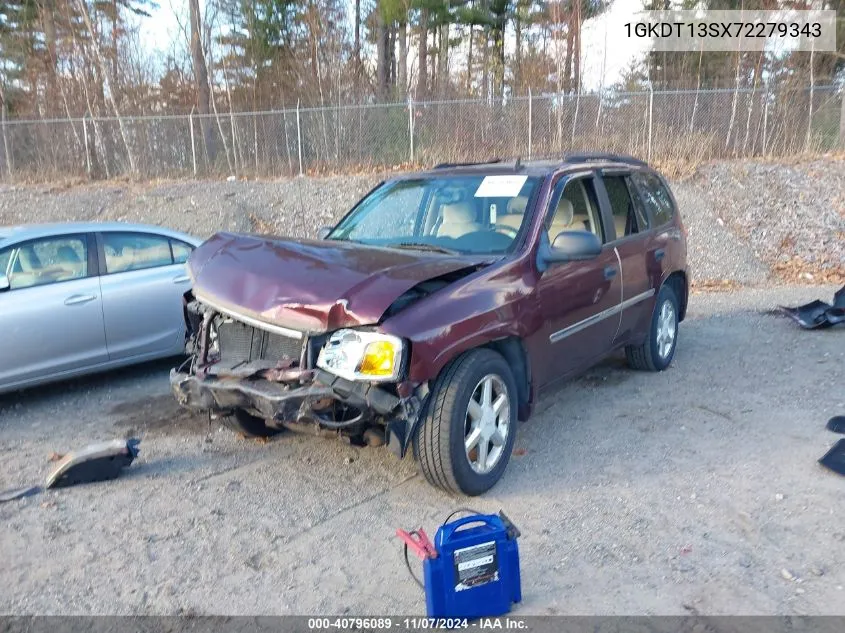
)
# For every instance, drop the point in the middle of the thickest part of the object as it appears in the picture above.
(468, 314)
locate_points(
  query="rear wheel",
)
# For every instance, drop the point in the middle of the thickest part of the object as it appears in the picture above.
(248, 425)
(658, 350)
(464, 442)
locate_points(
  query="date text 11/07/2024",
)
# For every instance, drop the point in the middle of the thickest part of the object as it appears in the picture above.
(416, 623)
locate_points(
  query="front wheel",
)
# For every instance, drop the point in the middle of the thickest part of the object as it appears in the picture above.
(658, 350)
(247, 425)
(464, 442)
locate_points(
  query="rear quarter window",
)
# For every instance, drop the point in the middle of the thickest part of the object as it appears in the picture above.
(656, 197)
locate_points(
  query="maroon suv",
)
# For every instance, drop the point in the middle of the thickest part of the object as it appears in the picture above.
(438, 308)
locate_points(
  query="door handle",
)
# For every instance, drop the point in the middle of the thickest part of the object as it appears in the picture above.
(181, 279)
(609, 272)
(75, 300)
(659, 254)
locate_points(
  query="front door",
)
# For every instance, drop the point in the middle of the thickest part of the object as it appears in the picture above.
(51, 316)
(579, 300)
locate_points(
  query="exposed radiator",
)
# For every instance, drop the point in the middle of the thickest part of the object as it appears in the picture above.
(238, 343)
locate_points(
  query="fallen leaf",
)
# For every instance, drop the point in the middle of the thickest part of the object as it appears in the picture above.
(54, 456)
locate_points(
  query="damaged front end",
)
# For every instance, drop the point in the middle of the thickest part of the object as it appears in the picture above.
(280, 376)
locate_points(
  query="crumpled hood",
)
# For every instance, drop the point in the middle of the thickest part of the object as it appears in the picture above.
(310, 285)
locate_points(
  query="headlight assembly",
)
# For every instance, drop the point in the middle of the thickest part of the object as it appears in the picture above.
(362, 355)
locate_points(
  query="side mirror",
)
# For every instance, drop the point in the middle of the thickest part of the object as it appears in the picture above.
(573, 246)
(4, 283)
(323, 233)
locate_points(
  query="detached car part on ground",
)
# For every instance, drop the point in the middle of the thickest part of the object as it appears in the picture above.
(433, 315)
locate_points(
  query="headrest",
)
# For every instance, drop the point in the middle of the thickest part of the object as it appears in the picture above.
(564, 213)
(457, 213)
(518, 204)
(67, 255)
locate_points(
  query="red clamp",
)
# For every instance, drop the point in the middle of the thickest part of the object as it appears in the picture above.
(421, 545)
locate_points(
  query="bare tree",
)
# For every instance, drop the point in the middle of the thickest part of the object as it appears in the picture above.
(201, 81)
(107, 84)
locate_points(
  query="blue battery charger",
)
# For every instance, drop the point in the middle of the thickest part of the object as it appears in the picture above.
(476, 571)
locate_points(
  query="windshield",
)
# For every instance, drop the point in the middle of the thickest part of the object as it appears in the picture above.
(461, 214)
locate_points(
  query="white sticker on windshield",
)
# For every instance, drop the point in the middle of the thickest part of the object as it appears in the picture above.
(500, 186)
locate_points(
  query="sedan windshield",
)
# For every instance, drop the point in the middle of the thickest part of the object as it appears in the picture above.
(450, 214)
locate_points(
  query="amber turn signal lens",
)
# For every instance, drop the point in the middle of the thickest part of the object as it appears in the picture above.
(378, 359)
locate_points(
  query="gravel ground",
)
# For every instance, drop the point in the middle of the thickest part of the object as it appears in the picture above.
(743, 217)
(780, 211)
(695, 490)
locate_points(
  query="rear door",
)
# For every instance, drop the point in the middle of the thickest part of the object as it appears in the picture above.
(143, 279)
(51, 317)
(631, 233)
(580, 299)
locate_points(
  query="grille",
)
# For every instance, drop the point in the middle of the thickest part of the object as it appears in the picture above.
(242, 343)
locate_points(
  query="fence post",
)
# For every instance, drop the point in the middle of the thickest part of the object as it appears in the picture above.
(87, 147)
(411, 127)
(298, 137)
(650, 119)
(6, 144)
(530, 121)
(193, 144)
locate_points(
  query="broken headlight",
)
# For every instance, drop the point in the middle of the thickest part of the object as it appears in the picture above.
(362, 355)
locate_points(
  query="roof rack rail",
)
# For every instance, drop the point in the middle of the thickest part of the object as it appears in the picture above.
(586, 157)
(480, 162)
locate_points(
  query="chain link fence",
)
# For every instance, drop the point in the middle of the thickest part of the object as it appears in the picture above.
(664, 127)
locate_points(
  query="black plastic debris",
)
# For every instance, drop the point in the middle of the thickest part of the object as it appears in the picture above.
(836, 424)
(96, 462)
(834, 459)
(19, 493)
(818, 314)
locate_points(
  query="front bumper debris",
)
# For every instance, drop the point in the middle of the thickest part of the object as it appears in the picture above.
(296, 400)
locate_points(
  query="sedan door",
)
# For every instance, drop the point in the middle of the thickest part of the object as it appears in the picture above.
(51, 317)
(143, 279)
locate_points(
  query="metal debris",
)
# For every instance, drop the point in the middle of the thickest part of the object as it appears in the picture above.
(834, 459)
(96, 462)
(818, 314)
(836, 424)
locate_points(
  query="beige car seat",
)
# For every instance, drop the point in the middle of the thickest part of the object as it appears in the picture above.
(515, 212)
(620, 222)
(458, 220)
(71, 264)
(562, 219)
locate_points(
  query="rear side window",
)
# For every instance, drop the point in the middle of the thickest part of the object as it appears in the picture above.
(135, 251)
(627, 216)
(181, 251)
(656, 197)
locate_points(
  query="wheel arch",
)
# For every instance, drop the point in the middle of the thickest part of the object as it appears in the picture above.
(678, 281)
(513, 350)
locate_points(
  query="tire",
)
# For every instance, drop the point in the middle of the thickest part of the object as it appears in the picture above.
(648, 356)
(440, 436)
(247, 425)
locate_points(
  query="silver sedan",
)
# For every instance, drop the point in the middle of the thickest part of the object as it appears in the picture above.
(82, 298)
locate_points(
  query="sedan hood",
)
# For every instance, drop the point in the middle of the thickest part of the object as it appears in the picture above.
(310, 285)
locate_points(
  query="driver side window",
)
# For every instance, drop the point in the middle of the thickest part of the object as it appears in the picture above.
(576, 209)
(46, 261)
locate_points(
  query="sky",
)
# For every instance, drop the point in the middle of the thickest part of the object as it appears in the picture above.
(603, 59)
